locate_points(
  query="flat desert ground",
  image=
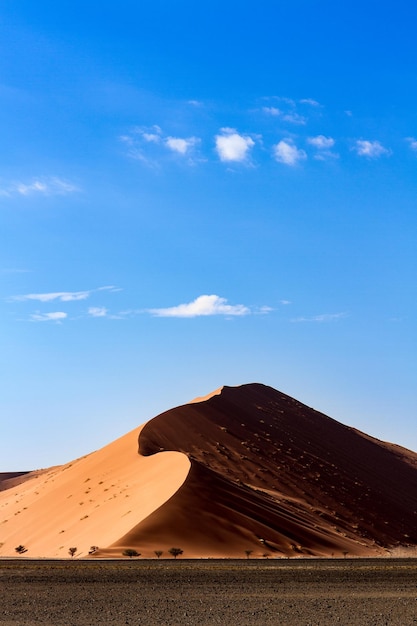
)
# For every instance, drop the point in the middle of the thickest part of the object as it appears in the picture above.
(299, 592)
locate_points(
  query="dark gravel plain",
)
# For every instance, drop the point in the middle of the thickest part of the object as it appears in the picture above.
(311, 592)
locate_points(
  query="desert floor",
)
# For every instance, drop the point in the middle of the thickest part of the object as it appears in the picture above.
(228, 592)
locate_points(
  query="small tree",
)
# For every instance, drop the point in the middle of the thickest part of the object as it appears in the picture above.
(21, 549)
(248, 553)
(93, 549)
(72, 551)
(175, 552)
(158, 553)
(130, 552)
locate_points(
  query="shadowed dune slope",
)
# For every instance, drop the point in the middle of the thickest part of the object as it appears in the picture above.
(272, 475)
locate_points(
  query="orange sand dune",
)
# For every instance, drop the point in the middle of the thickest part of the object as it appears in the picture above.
(92, 501)
(243, 468)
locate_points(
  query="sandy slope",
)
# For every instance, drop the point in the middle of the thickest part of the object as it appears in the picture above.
(92, 501)
(244, 468)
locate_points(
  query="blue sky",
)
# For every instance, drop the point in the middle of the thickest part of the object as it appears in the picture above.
(199, 194)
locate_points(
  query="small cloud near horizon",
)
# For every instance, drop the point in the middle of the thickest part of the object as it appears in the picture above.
(62, 296)
(97, 311)
(202, 306)
(56, 316)
(325, 317)
(51, 186)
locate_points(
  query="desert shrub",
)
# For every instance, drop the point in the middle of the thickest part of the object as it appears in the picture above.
(21, 549)
(158, 553)
(130, 552)
(175, 552)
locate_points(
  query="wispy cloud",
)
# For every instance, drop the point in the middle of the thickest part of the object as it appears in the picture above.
(285, 151)
(231, 146)
(51, 186)
(310, 101)
(325, 317)
(292, 117)
(97, 311)
(62, 296)
(56, 316)
(203, 306)
(370, 149)
(412, 142)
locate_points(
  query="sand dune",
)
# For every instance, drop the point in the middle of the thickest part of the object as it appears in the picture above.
(244, 468)
(92, 501)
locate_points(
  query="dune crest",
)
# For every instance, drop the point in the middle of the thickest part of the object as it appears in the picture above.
(216, 392)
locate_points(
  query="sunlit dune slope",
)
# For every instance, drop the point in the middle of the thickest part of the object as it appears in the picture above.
(272, 475)
(90, 502)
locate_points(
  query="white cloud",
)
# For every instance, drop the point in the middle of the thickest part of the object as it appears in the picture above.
(321, 142)
(62, 296)
(370, 149)
(51, 186)
(202, 306)
(325, 317)
(141, 140)
(182, 146)
(97, 311)
(231, 146)
(323, 145)
(56, 316)
(286, 152)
